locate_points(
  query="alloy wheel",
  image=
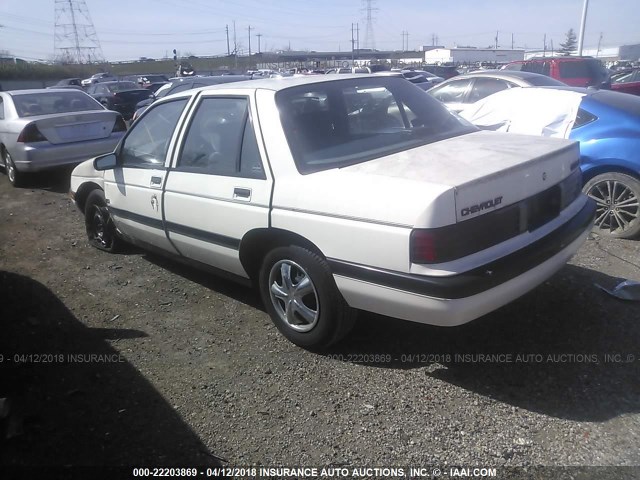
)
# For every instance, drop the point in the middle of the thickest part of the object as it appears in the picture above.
(617, 205)
(294, 296)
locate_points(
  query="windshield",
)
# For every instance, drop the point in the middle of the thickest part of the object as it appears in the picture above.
(336, 124)
(45, 103)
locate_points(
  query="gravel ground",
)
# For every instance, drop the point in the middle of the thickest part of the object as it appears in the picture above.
(188, 369)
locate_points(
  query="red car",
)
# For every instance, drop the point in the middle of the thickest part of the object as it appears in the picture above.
(574, 71)
(626, 82)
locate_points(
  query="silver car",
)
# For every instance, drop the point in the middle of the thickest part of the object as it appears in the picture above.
(462, 90)
(47, 128)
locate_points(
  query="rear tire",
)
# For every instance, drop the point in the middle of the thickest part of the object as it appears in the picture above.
(301, 297)
(101, 231)
(16, 178)
(618, 209)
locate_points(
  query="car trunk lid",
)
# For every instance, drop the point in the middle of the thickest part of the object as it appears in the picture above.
(486, 170)
(133, 96)
(76, 127)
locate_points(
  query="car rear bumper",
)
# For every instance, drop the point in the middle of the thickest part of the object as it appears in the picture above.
(34, 157)
(457, 299)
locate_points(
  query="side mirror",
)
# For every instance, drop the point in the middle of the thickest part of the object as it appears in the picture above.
(105, 162)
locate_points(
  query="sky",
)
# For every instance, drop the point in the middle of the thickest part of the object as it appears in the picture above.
(127, 30)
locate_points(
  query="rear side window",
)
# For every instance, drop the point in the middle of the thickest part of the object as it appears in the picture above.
(483, 87)
(453, 92)
(543, 68)
(583, 117)
(221, 140)
(575, 70)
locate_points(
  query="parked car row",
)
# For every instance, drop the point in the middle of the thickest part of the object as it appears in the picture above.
(432, 218)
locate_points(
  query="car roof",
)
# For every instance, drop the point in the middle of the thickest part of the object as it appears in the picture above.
(506, 74)
(41, 90)
(277, 84)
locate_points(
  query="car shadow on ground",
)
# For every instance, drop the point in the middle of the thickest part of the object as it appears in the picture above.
(567, 349)
(55, 180)
(68, 398)
(245, 294)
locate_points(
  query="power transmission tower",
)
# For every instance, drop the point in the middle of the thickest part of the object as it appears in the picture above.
(75, 37)
(369, 39)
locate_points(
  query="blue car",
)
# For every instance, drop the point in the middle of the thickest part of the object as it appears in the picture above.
(607, 125)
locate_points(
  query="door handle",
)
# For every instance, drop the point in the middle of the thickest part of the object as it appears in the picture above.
(156, 182)
(242, 193)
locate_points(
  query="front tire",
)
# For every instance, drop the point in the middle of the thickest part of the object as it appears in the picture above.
(101, 231)
(301, 297)
(618, 209)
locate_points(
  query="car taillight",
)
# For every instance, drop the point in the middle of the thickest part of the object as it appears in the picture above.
(423, 247)
(30, 133)
(120, 125)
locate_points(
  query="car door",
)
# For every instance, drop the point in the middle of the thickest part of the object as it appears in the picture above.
(133, 189)
(220, 188)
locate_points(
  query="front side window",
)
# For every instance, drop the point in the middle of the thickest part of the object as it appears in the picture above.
(1, 108)
(221, 140)
(147, 142)
(335, 124)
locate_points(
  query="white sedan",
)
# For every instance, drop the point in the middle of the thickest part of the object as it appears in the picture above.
(339, 193)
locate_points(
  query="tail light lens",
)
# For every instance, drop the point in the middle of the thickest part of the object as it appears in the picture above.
(423, 247)
(120, 125)
(30, 133)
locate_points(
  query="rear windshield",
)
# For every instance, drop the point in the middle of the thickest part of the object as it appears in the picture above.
(581, 69)
(122, 86)
(623, 101)
(47, 103)
(336, 124)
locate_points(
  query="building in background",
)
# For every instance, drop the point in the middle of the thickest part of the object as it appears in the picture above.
(470, 55)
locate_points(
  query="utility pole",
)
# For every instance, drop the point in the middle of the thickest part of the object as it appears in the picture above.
(582, 25)
(599, 42)
(512, 41)
(235, 45)
(249, 28)
(353, 44)
(258, 35)
(357, 39)
(228, 50)
(544, 46)
(496, 39)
